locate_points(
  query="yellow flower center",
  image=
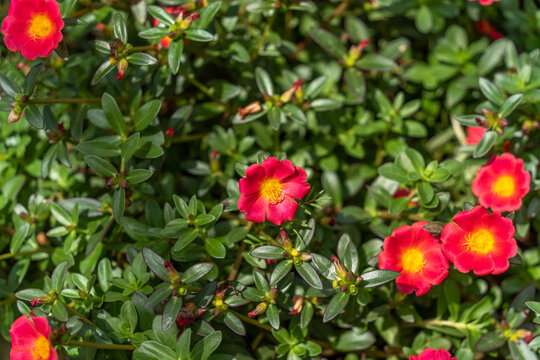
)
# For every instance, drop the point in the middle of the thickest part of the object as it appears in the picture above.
(271, 190)
(480, 241)
(294, 252)
(40, 27)
(505, 186)
(219, 302)
(41, 349)
(413, 261)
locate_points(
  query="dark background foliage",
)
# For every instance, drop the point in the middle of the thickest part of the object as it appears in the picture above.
(121, 175)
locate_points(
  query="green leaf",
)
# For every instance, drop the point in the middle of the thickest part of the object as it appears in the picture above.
(260, 281)
(336, 304)
(34, 117)
(174, 55)
(393, 172)
(439, 175)
(355, 340)
(355, 82)
(155, 33)
(170, 313)
(208, 14)
(59, 275)
(272, 314)
(152, 350)
(199, 35)
(490, 341)
(274, 118)
(119, 27)
(59, 311)
(104, 274)
(119, 203)
(328, 42)
(378, 277)
(424, 19)
(295, 113)
(426, 192)
(181, 206)
(113, 114)
(102, 71)
(138, 175)
(183, 345)
(520, 351)
(268, 252)
(196, 272)
(204, 219)
(156, 264)
(32, 78)
(9, 86)
(19, 237)
(281, 269)
(332, 185)
(264, 83)
(375, 62)
(308, 273)
(205, 347)
(417, 160)
(128, 313)
(160, 14)
(129, 146)
(141, 59)
(510, 105)
(305, 235)
(491, 92)
(234, 323)
(469, 120)
(61, 215)
(146, 113)
(30, 294)
(100, 166)
(487, 142)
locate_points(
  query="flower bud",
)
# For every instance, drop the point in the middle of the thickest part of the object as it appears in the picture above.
(14, 116)
(285, 240)
(41, 238)
(252, 108)
(169, 132)
(40, 300)
(305, 256)
(184, 24)
(173, 274)
(298, 302)
(287, 95)
(341, 270)
(260, 309)
(122, 66)
(273, 293)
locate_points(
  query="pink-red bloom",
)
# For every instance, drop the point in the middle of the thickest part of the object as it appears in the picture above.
(268, 191)
(432, 354)
(479, 241)
(416, 254)
(502, 183)
(484, 27)
(475, 134)
(33, 27)
(485, 2)
(30, 339)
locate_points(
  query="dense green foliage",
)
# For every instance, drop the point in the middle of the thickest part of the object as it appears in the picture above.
(119, 196)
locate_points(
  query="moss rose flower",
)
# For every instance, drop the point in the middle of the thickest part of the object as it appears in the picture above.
(30, 339)
(432, 354)
(33, 27)
(478, 241)
(417, 255)
(268, 191)
(475, 134)
(502, 183)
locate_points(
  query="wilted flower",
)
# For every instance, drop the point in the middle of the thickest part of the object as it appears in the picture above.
(252, 108)
(479, 241)
(33, 27)
(30, 339)
(417, 255)
(502, 183)
(268, 191)
(287, 95)
(259, 309)
(432, 354)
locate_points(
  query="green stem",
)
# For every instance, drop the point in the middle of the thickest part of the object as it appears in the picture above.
(25, 253)
(188, 138)
(201, 87)
(100, 346)
(251, 321)
(76, 313)
(260, 43)
(10, 300)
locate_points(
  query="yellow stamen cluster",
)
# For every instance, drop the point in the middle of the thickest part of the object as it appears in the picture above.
(505, 186)
(413, 261)
(41, 349)
(271, 190)
(40, 26)
(480, 241)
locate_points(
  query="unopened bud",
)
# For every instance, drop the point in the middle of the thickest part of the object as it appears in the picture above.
(341, 270)
(252, 108)
(173, 274)
(273, 293)
(122, 66)
(40, 300)
(14, 116)
(169, 132)
(287, 95)
(260, 309)
(285, 240)
(188, 20)
(41, 238)
(297, 302)
(305, 256)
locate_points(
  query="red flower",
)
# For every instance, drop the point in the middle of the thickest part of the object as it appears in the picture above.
(404, 192)
(33, 27)
(30, 339)
(486, 2)
(484, 27)
(475, 134)
(417, 255)
(175, 12)
(502, 183)
(479, 241)
(268, 190)
(432, 354)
